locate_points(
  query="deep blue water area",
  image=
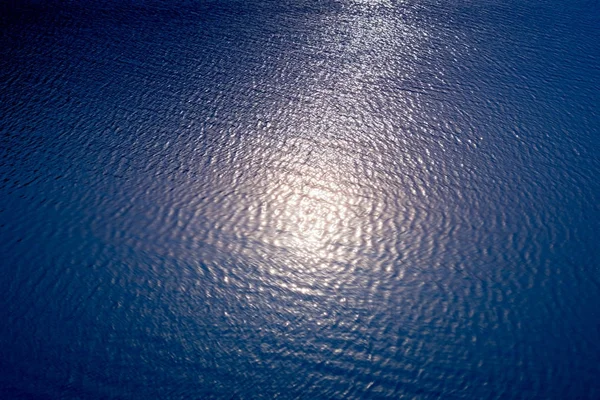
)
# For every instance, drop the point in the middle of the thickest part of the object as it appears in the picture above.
(325, 199)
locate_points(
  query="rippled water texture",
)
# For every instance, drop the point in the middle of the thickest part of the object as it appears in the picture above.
(300, 199)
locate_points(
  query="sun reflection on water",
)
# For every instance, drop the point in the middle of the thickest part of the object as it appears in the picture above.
(312, 199)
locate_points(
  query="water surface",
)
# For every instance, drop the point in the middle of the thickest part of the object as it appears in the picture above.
(299, 199)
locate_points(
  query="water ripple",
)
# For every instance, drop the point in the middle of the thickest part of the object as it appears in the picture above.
(339, 199)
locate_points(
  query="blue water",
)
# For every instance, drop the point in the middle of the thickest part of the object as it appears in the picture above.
(300, 199)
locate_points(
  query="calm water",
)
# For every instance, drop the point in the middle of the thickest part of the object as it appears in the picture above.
(300, 199)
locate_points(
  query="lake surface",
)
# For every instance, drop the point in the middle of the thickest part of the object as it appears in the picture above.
(300, 199)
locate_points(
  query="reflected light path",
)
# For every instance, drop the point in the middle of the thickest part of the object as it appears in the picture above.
(315, 197)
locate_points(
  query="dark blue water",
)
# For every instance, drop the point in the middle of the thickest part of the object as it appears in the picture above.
(300, 199)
